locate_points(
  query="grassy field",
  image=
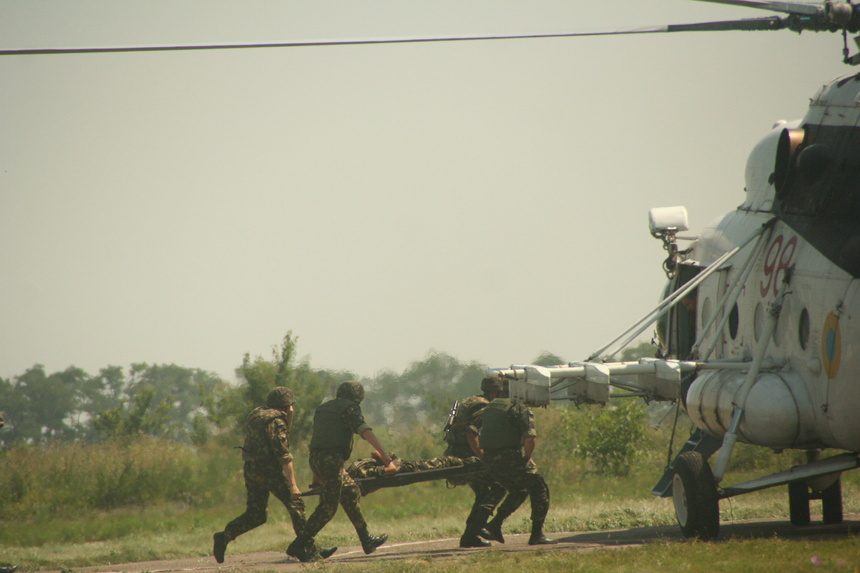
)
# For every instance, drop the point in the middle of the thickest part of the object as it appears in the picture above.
(429, 511)
(67, 507)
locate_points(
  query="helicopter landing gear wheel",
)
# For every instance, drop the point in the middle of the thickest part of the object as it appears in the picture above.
(694, 493)
(831, 503)
(798, 503)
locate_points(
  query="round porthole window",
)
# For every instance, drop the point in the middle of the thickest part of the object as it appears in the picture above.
(733, 322)
(803, 329)
(758, 321)
(776, 335)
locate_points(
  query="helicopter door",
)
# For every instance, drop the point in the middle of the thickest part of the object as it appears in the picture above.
(682, 323)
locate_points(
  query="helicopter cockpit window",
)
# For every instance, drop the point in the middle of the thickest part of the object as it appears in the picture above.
(818, 189)
(678, 329)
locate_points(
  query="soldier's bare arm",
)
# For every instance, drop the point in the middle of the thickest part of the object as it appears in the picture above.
(370, 438)
(290, 475)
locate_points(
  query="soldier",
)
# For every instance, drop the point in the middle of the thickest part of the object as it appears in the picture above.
(463, 443)
(508, 438)
(268, 469)
(335, 422)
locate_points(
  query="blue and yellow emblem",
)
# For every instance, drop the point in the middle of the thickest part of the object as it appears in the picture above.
(831, 345)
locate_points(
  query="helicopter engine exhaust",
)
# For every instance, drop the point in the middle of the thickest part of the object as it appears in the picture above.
(778, 411)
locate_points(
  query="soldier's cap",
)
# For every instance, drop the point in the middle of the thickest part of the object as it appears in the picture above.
(280, 397)
(351, 390)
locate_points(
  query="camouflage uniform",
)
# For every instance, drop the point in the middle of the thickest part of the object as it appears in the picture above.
(488, 492)
(336, 486)
(265, 452)
(266, 449)
(506, 425)
(335, 423)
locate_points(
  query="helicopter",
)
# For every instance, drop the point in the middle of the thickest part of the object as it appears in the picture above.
(758, 336)
(757, 328)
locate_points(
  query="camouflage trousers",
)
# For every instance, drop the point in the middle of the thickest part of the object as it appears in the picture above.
(521, 479)
(335, 487)
(261, 479)
(488, 492)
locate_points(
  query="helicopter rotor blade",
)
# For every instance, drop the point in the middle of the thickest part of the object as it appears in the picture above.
(769, 23)
(748, 24)
(784, 7)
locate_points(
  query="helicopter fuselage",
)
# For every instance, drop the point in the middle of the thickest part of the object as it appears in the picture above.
(811, 402)
(802, 179)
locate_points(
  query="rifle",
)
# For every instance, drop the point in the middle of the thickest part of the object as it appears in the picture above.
(452, 416)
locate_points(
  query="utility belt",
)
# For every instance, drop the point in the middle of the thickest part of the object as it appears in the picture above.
(507, 451)
(344, 454)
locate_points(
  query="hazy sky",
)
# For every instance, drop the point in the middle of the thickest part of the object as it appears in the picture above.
(485, 199)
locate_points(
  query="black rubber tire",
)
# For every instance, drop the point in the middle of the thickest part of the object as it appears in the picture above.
(694, 493)
(798, 503)
(831, 503)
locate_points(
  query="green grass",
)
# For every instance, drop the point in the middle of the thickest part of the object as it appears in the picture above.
(431, 511)
(765, 556)
(139, 501)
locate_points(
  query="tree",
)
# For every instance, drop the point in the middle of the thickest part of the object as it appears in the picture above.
(423, 393)
(166, 400)
(643, 350)
(40, 408)
(141, 415)
(548, 359)
(259, 376)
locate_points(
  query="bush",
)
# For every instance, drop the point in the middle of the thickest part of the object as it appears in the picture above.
(609, 437)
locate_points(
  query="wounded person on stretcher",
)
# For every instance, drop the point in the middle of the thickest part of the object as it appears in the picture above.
(372, 467)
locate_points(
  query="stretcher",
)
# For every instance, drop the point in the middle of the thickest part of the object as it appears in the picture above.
(455, 473)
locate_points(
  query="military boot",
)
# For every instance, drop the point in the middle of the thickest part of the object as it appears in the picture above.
(474, 524)
(493, 531)
(327, 552)
(471, 537)
(219, 546)
(304, 550)
(370, 542)
(537, 536)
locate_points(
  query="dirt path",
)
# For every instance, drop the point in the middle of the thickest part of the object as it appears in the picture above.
(448, 548)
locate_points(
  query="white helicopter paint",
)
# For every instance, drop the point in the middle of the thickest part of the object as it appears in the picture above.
(774, 357)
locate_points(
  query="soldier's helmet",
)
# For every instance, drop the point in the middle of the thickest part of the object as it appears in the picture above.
(351, 391)
(281, 398)
(492, 384)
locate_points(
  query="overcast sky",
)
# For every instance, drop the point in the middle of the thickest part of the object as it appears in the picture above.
(488, 199)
